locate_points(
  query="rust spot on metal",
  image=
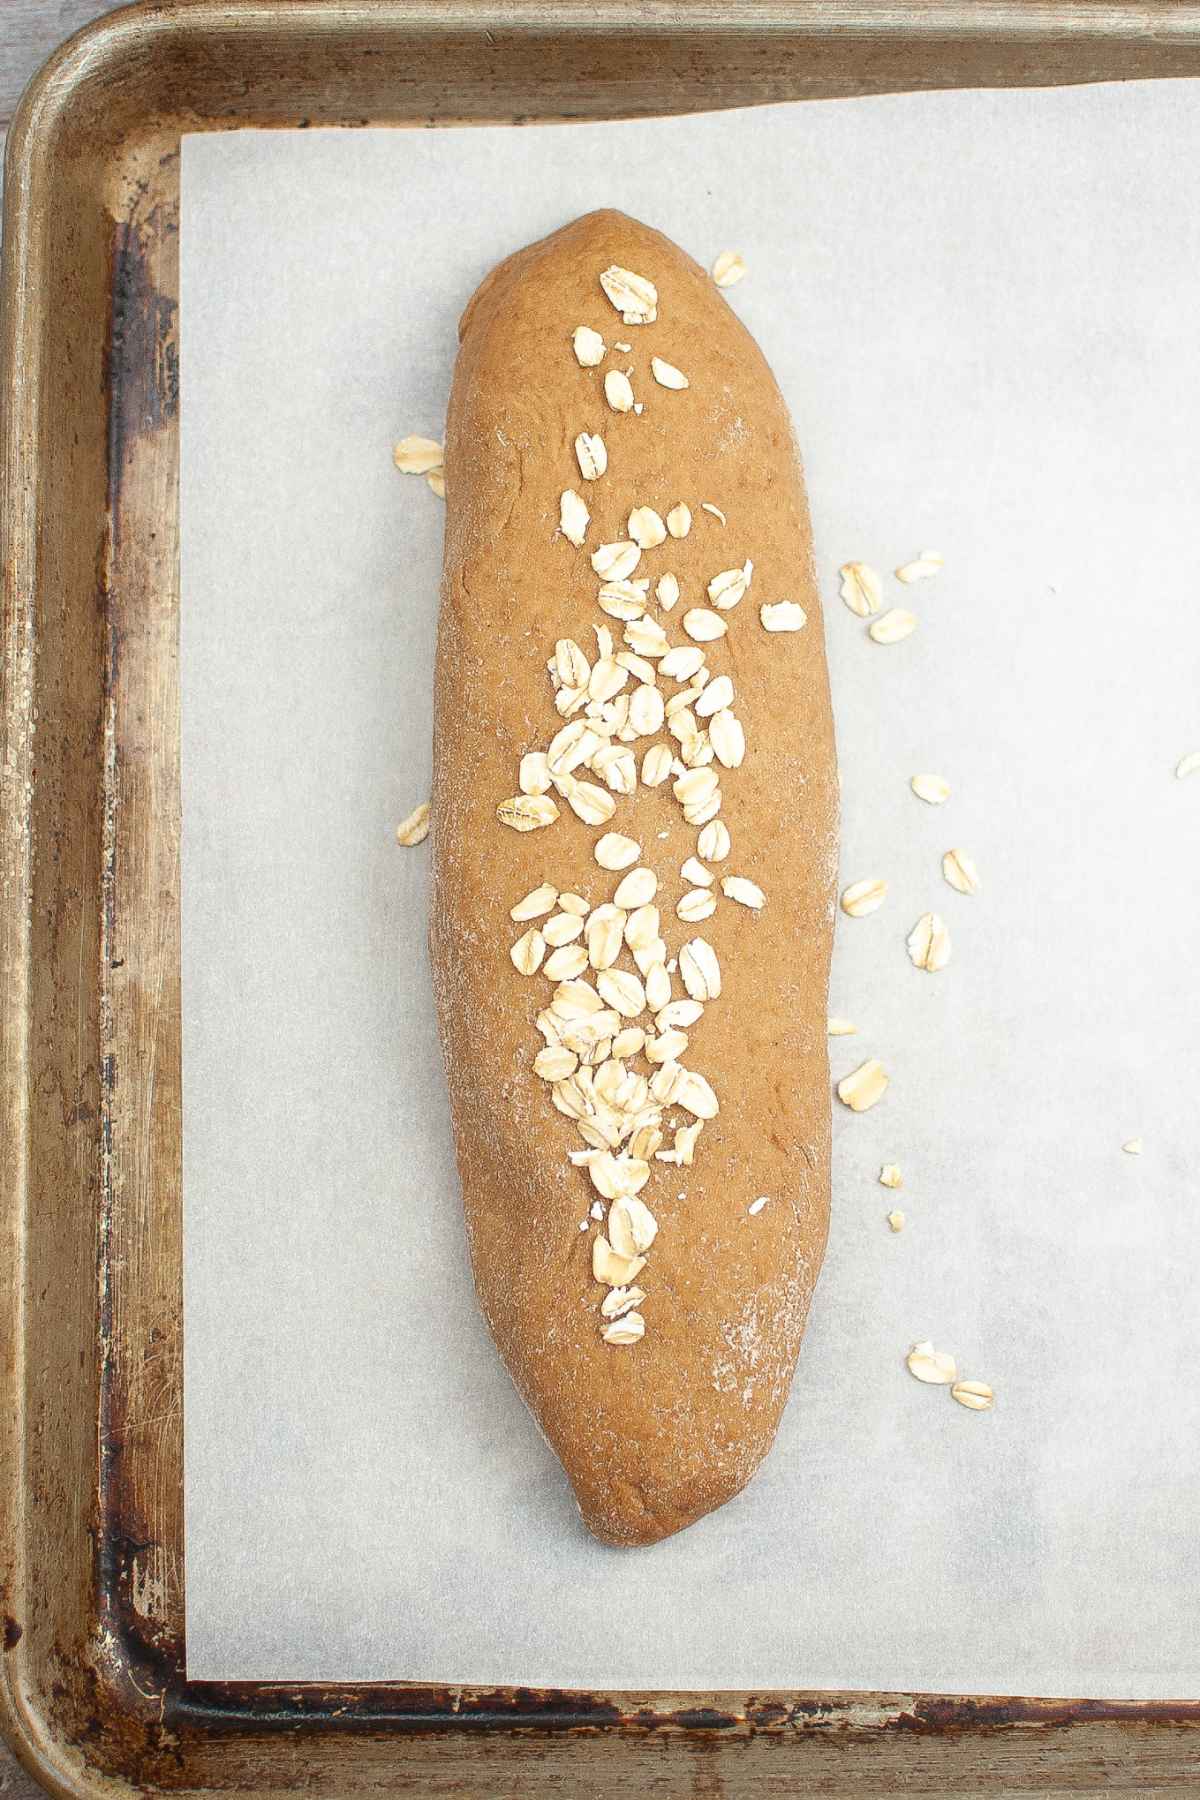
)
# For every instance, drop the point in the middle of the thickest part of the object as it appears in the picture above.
(937, 1715)
(701, 1718)
(769, 1715)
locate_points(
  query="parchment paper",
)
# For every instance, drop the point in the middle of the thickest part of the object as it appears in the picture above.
(982, 309)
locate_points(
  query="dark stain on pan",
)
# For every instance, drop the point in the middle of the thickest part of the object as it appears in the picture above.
(250, 1709)
(142, 373)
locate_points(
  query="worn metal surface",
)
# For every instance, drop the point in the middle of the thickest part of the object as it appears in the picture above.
(91, 1551)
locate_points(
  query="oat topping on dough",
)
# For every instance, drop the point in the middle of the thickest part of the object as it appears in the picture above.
(783, 615)
(591, 455)
(588, 346)
(635, 298)
(618, 391)
(609, 1100)
(667, 375)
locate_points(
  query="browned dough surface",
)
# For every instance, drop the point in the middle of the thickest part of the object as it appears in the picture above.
(654, 1435)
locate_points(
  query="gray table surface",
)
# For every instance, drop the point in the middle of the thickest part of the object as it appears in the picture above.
(29, 31)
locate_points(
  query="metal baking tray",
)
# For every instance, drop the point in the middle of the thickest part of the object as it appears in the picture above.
(94, 1695)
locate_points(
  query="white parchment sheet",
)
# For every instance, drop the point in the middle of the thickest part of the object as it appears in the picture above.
(983, 311)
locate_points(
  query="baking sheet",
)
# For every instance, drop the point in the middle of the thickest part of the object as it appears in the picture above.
(981, 308)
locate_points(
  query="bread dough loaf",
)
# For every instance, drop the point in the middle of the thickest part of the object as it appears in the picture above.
(653, 1430)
